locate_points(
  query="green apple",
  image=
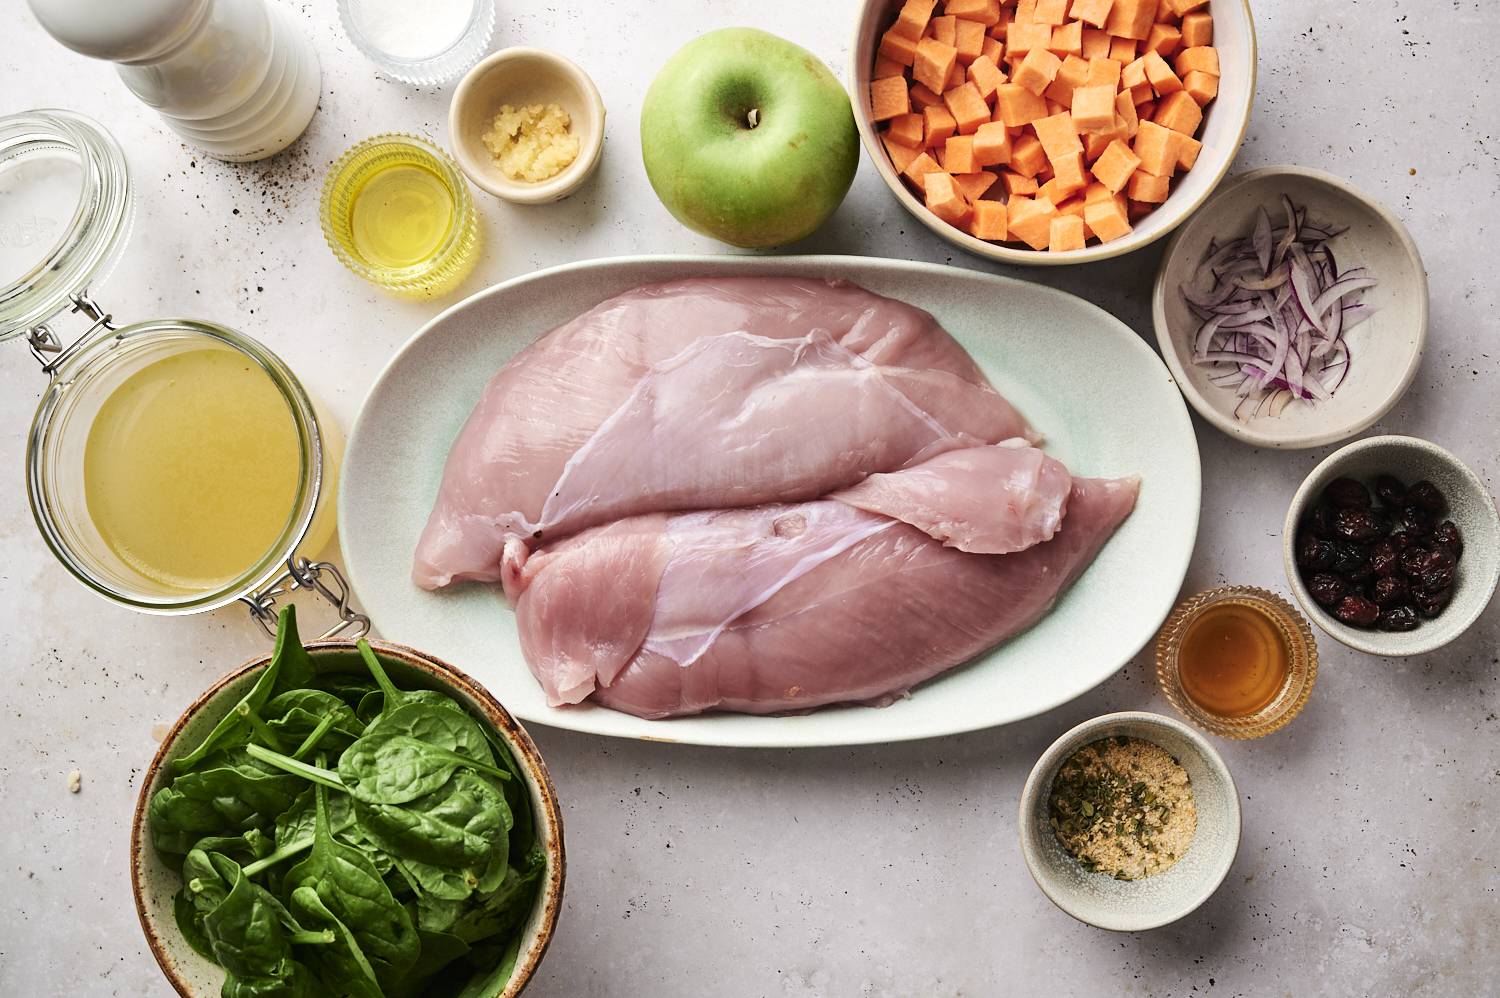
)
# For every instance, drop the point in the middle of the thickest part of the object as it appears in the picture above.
(748, 138)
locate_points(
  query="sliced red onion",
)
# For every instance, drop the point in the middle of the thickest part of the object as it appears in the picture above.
(1275, 312)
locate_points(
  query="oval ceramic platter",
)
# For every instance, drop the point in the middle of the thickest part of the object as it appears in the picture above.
(1104, 400)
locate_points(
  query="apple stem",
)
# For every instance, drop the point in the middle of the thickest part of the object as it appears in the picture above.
(753, 117)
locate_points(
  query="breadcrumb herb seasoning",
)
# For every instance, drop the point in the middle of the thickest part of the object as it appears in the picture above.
(1123, 807)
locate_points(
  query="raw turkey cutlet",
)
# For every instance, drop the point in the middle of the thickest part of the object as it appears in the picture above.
(757, 495)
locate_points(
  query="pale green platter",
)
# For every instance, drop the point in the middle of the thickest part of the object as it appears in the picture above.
(1102, 397)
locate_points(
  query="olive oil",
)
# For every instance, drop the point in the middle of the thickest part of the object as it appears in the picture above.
(1233, 659)
(401, 216)
(191, 469)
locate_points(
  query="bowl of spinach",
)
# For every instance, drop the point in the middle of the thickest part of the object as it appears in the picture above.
(347, 819)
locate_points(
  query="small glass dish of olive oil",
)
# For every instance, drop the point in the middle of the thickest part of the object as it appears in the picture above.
(396, 211)
(1238, 662)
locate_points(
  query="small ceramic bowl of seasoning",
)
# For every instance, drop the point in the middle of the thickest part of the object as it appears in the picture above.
(1392, 546)
(1130, 821)
(1238, 662)
(527, 125)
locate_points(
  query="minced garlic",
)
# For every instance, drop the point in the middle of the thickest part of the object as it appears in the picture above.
(531, 143)
(1124, 808)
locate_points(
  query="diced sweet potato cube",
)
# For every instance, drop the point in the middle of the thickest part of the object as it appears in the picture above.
(1045, 173)
(1164, 39)
(1160, 75)
(992, 144)
(1184, 7)
(945, 200)
(1094, 144)
(957, 75)
(1114, 167)
(1156, 148)
(897, 48)
(933, 64)
(1094, 108)
(1023, 36)
(1144, 109)
(1202, 87)
(1188, 149)
(1125, 112)
(1198, 30)
(986, 12)
(1017, 185)
(1025, 10)
(1095, 12)
(1037, 70)
(937, 124)
(985, 75)
(969, 40)
(1070, 174)
(1052, 12)
(993, 49)
(1065, 232)
(1097, 192)
(990, 221)
(889, 98)
(1027, 157)
(886, 67)
(1134, 74)
(912, 21)
(1137, 210)
(1015, 105)
(1122, 50)
(1131, 18)
(1074, 73)
(1060, 189)
(1067, 40)
(1031, 221)
(1103, 73)
(907, 129)
(1058, 136)
(976, 184)
(901, 155)
(943, 29)
(958, 154)
(1179, 112)
(1107, 220)
(1148, 187)
(922, 98)
(1095, 44)
(918, 170)
(1199, 58)
(969, 109)
(1072, 206)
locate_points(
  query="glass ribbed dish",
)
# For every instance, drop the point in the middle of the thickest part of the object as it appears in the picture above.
(375, 25)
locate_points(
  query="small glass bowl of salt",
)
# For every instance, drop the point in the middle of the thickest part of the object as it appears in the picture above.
(422, 44)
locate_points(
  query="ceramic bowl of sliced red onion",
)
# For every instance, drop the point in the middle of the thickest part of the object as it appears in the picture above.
(1291, 309)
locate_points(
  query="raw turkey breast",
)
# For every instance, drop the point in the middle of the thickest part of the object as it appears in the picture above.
(788, 607)
(701, 394)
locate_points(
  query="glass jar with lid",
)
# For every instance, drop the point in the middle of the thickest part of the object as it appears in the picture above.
(173, 465)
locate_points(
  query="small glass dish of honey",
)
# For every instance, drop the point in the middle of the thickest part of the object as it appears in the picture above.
(1238, 662)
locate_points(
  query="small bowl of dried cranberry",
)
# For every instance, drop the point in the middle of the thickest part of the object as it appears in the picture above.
(1392, 546)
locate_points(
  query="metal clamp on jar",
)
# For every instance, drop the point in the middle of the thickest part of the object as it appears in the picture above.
(174, 465)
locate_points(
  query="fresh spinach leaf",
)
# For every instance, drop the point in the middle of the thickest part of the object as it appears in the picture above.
(343, 967)
(388, 767)
(459, 824)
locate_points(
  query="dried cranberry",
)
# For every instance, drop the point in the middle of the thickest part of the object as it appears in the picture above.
(1313, 554)
(1352, 561)
(1321, 520)
(1356, 525)
(1346, 493)
(1431, 604)
(1446, 534)
(1384, 557)
(1426, 495)
(1327, 589)
(1414, 560)
(1389, 591)
(1398, 618)
(1390, 491)
(1416, 520)
(1433, 580)
(1440, 557)
(1357, 611)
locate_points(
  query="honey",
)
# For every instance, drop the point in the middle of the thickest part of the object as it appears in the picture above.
(1233, 660)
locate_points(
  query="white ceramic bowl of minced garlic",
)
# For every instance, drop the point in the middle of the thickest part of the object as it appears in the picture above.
(1150, 810)
(527, 125)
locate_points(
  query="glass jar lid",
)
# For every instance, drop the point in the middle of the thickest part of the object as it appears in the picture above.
(65, 206)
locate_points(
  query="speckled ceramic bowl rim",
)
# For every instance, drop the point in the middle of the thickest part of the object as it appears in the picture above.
(1172, 355)
(1477, 599)
(554, 188)
(499, 718)
(1181, 209)
(1034, 795)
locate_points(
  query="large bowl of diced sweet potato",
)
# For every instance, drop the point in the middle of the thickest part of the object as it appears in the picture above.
(1048, 132)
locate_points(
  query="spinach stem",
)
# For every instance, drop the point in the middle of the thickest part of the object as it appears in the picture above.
(311, 938)
(316, 735)
(259, 726)
(393, 697)
(289, 850)
(326, 777)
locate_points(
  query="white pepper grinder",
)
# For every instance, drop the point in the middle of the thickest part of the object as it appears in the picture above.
(233, 77)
